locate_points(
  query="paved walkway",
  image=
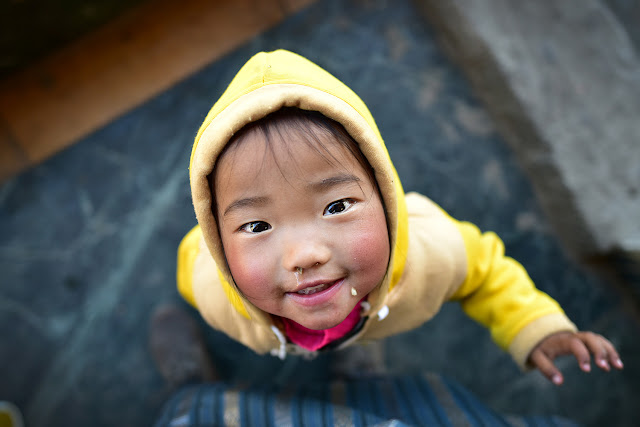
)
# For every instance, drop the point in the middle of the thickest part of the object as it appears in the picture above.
(88, 238)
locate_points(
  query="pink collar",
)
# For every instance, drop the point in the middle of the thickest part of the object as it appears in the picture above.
(315, 339)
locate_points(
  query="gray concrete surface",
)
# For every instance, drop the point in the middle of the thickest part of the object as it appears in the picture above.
(562, 83)
(628, 13)
(88, 239)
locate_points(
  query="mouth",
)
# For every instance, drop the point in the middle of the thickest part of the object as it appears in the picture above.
(313, 289)
(317, 292)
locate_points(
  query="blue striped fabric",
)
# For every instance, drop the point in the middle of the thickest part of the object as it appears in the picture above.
(426, 400)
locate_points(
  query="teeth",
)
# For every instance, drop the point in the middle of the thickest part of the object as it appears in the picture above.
(313, 289)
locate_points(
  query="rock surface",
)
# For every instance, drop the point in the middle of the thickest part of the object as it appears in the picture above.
(561, 81)
(88, 239)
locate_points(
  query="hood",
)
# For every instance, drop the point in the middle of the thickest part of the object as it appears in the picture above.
(266, 83)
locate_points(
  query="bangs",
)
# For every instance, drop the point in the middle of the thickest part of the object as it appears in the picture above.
(294, 124)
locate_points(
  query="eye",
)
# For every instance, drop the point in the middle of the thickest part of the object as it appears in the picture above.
(255, 227)
(338, 206)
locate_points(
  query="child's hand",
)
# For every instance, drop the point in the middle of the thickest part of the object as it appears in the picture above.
(580, 344)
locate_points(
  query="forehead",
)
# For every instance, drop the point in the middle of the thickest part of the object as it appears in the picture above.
(286, 153)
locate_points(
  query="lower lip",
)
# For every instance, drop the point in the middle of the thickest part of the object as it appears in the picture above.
(318, 297)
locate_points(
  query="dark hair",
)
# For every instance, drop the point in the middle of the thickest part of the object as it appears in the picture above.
(307, 123)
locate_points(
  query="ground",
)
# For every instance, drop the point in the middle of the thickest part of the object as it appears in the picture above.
(89, 238)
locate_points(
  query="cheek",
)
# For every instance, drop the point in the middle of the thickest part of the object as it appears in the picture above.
(247, 268)
(371, 251)
(370, 248)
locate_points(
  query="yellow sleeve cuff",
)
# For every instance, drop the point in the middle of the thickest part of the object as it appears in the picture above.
(526, 340)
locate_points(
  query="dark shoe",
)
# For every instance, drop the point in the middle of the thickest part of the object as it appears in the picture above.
(359, 361)
(178, 348)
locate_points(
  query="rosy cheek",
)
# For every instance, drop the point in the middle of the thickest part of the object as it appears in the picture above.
(374, 239)
(247, 271)
(372, 250)
(369, 244)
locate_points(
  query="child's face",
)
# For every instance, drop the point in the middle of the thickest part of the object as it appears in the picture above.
(301, 211)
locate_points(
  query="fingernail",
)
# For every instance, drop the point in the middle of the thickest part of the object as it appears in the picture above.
(556, 379)
(619, 363)
(586, 367)
(604, 364)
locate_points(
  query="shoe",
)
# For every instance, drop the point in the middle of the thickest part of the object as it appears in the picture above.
(178, 348)
(359, 361)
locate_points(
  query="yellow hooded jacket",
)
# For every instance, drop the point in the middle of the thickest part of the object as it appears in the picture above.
(434, 258)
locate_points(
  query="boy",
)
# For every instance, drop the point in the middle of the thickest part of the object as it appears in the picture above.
(306, 241)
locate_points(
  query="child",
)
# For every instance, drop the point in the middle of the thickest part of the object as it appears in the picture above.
(306, 241)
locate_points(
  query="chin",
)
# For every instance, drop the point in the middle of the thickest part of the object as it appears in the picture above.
(321, 324)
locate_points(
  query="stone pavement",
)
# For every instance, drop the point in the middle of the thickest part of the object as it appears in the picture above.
(561, 83)
(88, 238)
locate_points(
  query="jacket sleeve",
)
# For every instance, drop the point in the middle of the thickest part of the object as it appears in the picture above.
(498, 293)
(187, 253)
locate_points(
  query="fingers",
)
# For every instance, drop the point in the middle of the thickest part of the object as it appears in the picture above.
(581, 345)
(610, 351)
(581, 353)
(604, 352)
(545, 365)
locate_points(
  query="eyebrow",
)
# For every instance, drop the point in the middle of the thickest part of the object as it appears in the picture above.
(246, 202)
(331, 182)
(322, 185)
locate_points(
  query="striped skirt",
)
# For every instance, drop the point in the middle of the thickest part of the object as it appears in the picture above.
(424, 400)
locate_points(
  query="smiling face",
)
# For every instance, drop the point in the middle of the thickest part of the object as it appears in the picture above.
(295, 202)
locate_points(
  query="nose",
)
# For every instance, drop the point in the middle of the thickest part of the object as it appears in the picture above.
(305, 250)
